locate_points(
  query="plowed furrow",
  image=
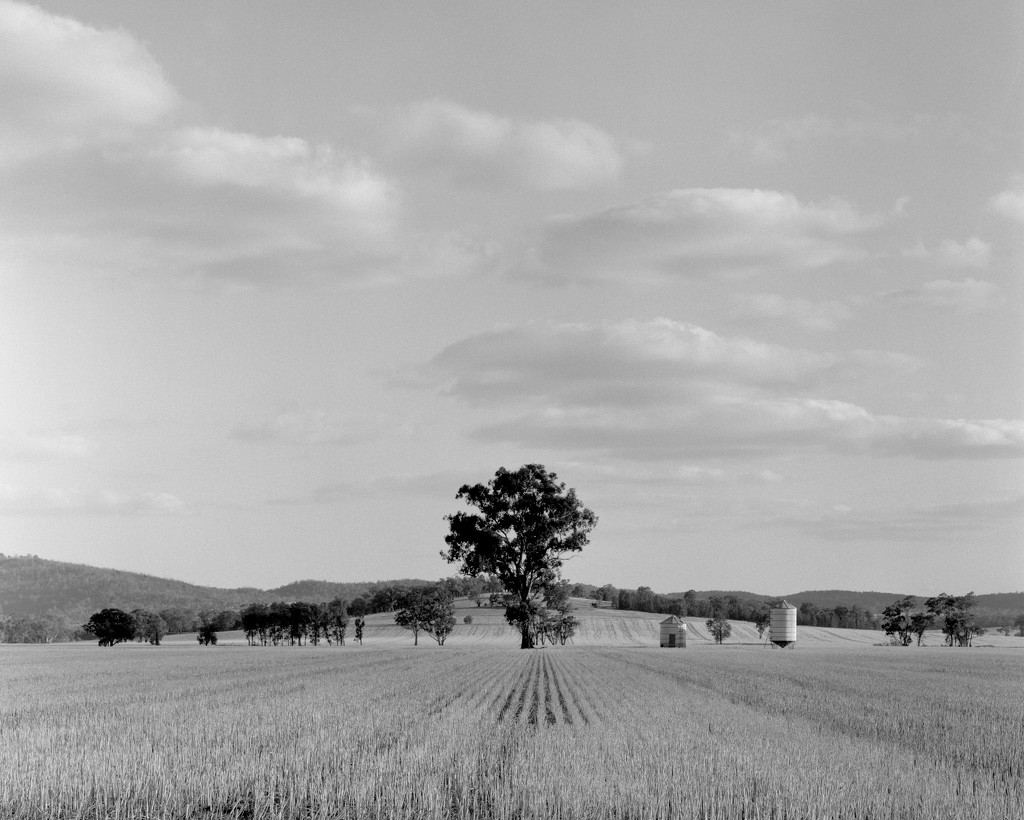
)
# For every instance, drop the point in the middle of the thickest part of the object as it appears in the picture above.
(563, 703)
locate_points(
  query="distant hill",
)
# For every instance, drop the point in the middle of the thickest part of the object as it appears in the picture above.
(329, 590)
(35, 586)
(989, 606)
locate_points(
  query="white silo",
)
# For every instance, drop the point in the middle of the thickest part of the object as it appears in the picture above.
(782, 625)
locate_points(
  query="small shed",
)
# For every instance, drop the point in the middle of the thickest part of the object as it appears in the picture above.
(673, 633)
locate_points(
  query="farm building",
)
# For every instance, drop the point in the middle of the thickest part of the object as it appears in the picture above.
(782, 625)
(673, 632)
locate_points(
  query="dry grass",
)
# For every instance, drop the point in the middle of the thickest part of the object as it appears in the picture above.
(732, 732)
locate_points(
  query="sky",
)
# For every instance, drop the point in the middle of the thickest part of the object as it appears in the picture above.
(277, 279)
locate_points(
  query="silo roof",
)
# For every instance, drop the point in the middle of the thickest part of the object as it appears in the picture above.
(785, 605)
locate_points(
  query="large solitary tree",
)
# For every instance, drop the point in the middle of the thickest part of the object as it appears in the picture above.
(111, 626)
(525, 523)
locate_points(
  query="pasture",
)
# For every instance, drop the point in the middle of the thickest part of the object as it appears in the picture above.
(832, 729)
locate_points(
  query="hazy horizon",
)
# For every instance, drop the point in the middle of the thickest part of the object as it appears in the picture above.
(276, 280)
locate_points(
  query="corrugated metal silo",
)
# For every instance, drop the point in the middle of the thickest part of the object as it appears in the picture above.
(782, 626)
(673, 633)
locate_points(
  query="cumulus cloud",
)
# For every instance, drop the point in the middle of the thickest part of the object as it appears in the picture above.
(668, 390)
(622, 363)
(964, 295)
(811, 315)
(480, 149)
(1010, 203)
(60, 501)
(696, 231)
(65, 84)
(204, 202)
(212, 157)
(725, 428)
(119, 185)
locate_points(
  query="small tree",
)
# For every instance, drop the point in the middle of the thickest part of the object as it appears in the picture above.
(111, 626)
(337, 621)
(762, 620)
(955, 617)
(360, 622)
(1019, 623)
(719, 628)
(566, 627)
(896, 620)
(413, 614)
(149, 626)
(468, 619)
(255, 619)
(439, 622)
(919, 623)
(207, 635)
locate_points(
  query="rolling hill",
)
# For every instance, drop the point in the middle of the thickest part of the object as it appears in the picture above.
(597, 628)
(35, 586)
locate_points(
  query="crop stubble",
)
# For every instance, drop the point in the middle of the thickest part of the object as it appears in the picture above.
(498, 733)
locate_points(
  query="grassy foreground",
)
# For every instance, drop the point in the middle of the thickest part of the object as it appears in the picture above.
(460, 732)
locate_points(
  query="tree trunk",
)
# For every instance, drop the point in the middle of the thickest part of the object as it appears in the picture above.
(527, 637)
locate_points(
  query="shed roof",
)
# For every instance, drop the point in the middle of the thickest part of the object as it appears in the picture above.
(672, 619)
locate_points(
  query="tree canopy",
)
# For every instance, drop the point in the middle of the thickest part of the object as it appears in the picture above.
(525, 523)
(111, 626)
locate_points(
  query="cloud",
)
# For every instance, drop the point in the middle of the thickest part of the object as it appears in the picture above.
(818, 316)
(925, 523)
(204, 202)
(697, 231)
(776, 139)
(964, 296)
(65, 84)
(973, 253)
(479, 149)
(1010, 203)
(624, 363)
(211, 157)
(15, 446)
(728, 428)
(666, 390)
(429, 485)
(60, 502)
(299, 428)
(119, 186)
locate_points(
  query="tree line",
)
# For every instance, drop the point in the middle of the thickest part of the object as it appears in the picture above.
(903, 621)
(731, 607)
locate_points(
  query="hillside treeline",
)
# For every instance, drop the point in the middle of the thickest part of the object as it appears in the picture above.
(731, 607)
(44, 601)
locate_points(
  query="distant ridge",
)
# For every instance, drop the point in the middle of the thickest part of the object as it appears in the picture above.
(30, 585)
(35, 586)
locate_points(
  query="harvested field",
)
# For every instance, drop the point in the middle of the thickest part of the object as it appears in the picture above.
(486, 732)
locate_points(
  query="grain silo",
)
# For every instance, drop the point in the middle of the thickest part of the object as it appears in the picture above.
(782, 626)
(673, 633)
